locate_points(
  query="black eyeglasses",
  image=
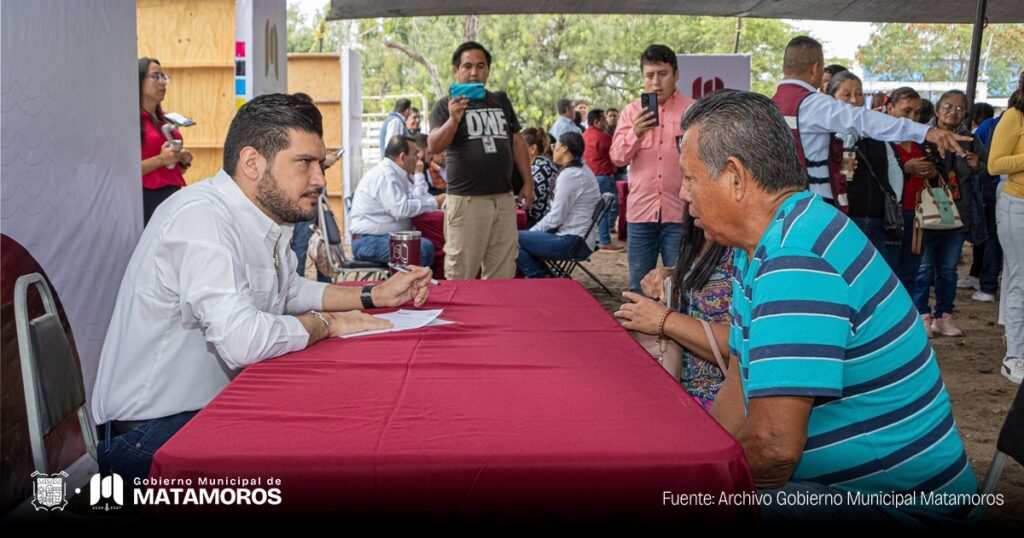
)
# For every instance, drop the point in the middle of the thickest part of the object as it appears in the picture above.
(679, 143)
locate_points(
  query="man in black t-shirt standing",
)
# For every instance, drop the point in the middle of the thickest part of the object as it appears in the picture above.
(483, 147)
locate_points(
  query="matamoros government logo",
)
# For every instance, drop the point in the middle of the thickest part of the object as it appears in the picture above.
(106, 492)
(49, 491)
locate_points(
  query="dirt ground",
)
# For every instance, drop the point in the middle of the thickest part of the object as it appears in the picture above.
(970, 365)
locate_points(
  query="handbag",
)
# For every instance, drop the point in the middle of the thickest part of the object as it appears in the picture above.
(935, 211)
(892, 212)
(666, 351)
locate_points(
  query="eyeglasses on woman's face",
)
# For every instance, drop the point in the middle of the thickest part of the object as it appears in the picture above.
(160, 78)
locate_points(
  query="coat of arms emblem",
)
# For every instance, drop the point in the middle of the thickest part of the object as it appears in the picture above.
(49, 491)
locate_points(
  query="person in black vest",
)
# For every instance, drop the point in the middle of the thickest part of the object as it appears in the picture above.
(814, 118)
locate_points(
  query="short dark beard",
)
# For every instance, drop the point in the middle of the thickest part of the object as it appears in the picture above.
(270, 196)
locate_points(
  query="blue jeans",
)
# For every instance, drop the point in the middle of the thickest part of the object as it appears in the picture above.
(988, 256)
(131, 454)
(645, 241)
(940, 250)
(545, 245)
(374, 248)
(785, 509)
(300, 246)
(607, 222)
(907, 262)
(872, 228)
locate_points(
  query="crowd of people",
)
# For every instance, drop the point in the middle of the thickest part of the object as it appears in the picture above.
(798, 234)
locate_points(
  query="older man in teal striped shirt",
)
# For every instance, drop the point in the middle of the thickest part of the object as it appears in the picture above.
(836, 395)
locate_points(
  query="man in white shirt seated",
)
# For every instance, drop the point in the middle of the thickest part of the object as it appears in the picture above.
(387, 199)
(210, 288)
(563, 232)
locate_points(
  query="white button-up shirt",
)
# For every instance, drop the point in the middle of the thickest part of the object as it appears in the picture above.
(821, 115)
(386, 201)
(205, 294)
(572, 209)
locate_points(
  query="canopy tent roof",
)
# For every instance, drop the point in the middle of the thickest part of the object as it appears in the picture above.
(937, 11)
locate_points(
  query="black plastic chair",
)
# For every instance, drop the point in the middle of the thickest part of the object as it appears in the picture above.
(565, 268)
(1010, 443)
(334, 250)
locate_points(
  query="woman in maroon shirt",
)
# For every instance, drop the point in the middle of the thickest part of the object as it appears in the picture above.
(158, 181)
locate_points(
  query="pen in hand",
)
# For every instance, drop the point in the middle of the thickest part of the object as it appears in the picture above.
(403, 269)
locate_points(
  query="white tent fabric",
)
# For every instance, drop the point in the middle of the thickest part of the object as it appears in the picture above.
(71, 192)
(946, 11)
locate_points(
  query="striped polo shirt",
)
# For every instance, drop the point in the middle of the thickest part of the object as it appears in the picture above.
(818, 313)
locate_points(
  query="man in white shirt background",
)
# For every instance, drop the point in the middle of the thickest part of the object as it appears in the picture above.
(210, 288)
(387, 199)
(565, 122)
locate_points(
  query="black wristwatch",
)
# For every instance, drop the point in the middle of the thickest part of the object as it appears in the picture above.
(366, 297)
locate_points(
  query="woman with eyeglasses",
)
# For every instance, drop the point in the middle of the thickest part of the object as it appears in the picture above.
(1007, 157)
(940, 249)
(162, 162)
(563, 232)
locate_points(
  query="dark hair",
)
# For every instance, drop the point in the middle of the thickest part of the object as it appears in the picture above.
(835, 68)
(838, 79)
(263, 123)
(981, 112)
(1018, 103)
(415, 110)
(158, 120)
(610, 109)
(421, 140)
(659, 54)
(749, 127)
(402, 105)
(801, 53)
(303, 96)
(595, 116)
(573, 142)
(536, 137)
(563, 106)
(927, 111)
(878, 99)
(469, 45)
(398, 145)
(899, 94)
(693, 270)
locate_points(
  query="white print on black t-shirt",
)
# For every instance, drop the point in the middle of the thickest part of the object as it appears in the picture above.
(486, 122)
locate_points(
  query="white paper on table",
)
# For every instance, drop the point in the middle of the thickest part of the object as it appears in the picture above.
(402, 320)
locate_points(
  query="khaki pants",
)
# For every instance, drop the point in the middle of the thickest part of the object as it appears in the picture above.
(480, 231)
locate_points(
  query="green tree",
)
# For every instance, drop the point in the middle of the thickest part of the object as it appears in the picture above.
(541, 58)
(941, 52)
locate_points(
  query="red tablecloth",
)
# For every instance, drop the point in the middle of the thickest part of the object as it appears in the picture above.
(623, 190)
(431, 225)
(535, 404)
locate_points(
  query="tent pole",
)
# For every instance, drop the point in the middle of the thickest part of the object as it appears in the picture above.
(972, 69)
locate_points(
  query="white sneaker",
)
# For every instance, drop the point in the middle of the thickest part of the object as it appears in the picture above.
(983, 297)
(1013, 369)
(969, 282)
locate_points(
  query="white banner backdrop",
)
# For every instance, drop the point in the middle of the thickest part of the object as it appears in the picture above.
(701, 74)
(261, 28)
(71, 190)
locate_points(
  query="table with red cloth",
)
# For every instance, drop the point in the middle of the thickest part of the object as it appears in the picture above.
(431, 225)
(534, 404)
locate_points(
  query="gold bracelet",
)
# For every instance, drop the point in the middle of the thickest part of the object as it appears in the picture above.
(321, 317)
(661, 326)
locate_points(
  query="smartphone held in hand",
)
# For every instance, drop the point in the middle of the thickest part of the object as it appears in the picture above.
(649, 102)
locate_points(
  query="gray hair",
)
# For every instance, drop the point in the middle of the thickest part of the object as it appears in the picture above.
(749, 127)
(838, 79)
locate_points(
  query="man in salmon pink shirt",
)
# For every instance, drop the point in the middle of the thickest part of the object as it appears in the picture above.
(654, 215)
